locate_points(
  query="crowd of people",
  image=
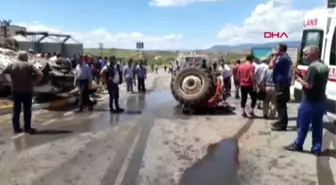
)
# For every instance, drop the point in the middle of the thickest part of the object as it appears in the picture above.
(268, 83)
(109, 72)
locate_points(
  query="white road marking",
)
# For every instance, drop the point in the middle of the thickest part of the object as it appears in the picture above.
(94, 115)
(17, 136)
(48, 122)
(68, 113)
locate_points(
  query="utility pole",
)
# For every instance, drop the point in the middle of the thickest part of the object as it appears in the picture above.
(4, 24)
(101, 48)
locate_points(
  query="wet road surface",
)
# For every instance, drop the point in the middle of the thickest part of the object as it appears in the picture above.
(151, 143)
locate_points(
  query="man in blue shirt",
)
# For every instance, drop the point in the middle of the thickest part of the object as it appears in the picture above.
(281, 64)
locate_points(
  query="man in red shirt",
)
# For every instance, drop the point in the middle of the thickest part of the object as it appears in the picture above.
(247, 84)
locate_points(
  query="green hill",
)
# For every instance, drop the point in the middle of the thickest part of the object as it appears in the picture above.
(159, 57)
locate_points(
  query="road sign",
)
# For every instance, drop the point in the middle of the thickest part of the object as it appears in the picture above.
(331, 4)
(139, 45)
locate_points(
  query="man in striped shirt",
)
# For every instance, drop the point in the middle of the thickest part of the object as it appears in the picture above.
(268, 86)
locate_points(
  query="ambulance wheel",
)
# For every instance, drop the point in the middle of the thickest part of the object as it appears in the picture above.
(297, 95)
(193, 86)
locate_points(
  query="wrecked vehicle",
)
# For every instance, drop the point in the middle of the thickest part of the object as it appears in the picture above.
(58, 74)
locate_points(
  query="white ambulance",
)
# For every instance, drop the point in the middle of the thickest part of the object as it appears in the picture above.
(320, 31)
(329, 57)
(314, 29)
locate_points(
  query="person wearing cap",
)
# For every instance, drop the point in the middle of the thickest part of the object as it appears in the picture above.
(111, 75)
(24, 75)
(83, 78)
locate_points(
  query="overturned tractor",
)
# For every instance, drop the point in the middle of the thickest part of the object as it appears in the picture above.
(196, 86)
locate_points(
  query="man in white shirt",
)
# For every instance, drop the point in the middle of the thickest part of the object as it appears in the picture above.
(259, 71)
(112, 75)
(226, 75)
(129, 74)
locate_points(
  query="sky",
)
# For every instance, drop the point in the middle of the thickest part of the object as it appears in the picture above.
(162, 24)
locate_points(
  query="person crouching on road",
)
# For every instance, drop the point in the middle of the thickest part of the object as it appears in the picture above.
(129, 76)
(23, 78)
(141, 73)
(281, 64)
(83, 79)
(312, 106)
(112, 75)
(247, 84)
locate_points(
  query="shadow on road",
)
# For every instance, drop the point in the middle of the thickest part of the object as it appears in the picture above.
(323, 168)
(220, 165)
(52, 132)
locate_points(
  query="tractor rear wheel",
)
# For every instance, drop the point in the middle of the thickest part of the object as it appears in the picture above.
(193, 86)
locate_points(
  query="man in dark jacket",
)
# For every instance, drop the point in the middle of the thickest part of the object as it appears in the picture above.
(111, 74)
(23, 78)
(141, 73)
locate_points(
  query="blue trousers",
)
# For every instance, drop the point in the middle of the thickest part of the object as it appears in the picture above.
(310, 112)
(129, 84)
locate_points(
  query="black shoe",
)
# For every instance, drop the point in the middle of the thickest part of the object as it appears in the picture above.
(265, 116)
(31, 131)
(18, 131)
(316, 153)
(252, 114)
(244, 114)
(293, 147)
(120, 110)
(79, 111)
(277, 128)
(112, 110)
(90, 108)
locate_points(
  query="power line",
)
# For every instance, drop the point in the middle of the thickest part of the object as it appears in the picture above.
(4, 24)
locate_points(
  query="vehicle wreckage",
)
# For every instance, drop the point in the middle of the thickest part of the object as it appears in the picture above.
(197, 86)
(58, 73)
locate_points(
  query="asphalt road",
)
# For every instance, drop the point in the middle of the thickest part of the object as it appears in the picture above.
(152, 143)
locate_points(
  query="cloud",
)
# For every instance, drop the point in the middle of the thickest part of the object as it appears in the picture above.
(165, 3)
(110, 39)
(272, 16)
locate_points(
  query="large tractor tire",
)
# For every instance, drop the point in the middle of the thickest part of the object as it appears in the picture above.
(193, 86)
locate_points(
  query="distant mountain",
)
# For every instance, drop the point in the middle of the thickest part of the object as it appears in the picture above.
(246, 47)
